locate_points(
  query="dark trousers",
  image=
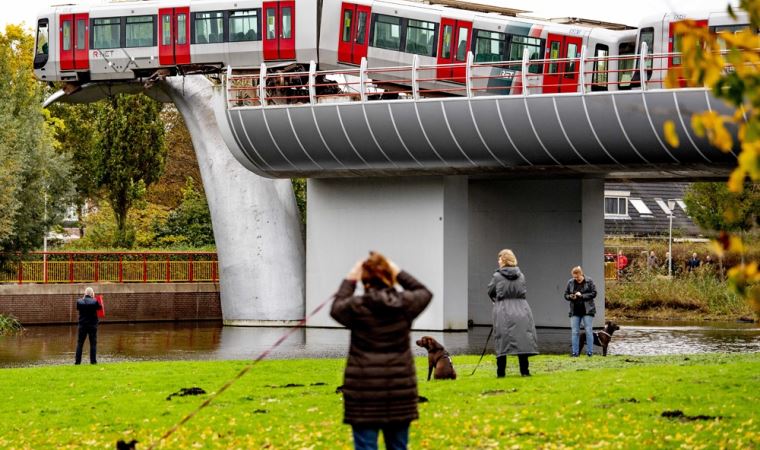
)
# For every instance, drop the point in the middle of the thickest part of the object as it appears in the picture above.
(396, 436)
(501, 365)
(84, 332)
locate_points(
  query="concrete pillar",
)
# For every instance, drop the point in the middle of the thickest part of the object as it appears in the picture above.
(551, 225)
(255, 219)
(421, 223)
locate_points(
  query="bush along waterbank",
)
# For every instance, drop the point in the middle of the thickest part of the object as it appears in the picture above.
(699, 295)
(9, 325)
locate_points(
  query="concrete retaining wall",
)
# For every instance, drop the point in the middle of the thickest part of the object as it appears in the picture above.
(48, 304)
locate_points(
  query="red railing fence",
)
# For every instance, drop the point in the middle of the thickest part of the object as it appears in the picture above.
(111, 267)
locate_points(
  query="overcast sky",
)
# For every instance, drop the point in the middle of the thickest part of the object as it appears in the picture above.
(619, 11)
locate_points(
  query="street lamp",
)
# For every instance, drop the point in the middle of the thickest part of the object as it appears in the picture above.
(671, 208)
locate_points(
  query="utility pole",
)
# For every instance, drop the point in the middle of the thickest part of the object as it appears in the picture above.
(671, 207)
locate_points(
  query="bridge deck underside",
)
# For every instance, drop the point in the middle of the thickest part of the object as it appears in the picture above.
(596, 133)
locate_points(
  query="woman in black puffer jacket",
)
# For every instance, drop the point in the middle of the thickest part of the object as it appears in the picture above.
(380, 382)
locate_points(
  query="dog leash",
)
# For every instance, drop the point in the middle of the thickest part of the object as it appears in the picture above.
(484, 352)
(240, 374)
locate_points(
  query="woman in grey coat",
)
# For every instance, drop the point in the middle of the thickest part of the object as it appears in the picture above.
(513, 326)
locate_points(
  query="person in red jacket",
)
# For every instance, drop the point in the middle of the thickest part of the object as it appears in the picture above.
(380, 381)
(622, 262)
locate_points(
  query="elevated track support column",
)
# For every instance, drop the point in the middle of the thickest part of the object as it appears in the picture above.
(256, 224)
(552, 226)
(420, 223)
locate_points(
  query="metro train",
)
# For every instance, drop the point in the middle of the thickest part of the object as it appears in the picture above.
(147, 39)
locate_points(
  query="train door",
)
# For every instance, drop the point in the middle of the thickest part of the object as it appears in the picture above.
(174, 36)
(280, 31)
(674, 46)
(562, 76)
(74, 38)
(353, 42)
(453, 46)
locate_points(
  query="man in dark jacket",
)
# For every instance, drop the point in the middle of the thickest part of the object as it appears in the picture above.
(380, 381)
(581, 292)
(88, 324)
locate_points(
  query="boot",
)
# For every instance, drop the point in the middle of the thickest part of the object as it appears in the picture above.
(501, 366)
(524, 365)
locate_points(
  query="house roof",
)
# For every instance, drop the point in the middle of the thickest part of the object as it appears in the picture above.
(647, 209)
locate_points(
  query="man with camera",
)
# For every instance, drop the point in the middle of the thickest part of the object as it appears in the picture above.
(581, 292)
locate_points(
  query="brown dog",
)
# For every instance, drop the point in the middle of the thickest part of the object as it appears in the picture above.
(602, 338)
(438, 359)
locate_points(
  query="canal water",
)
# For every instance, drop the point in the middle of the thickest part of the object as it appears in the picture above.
(162, 341)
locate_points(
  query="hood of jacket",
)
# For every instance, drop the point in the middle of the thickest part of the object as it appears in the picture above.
(510, 273)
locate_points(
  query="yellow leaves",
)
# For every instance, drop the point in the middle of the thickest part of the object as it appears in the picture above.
(670, 134)
(745, 280)
(713, 125)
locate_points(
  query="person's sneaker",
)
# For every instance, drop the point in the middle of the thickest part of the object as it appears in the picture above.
(574, 355)
(590, 355)
(526, 374)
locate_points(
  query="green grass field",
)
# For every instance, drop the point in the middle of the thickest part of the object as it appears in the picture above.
(613, 402)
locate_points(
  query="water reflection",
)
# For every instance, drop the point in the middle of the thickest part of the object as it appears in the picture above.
(209, 340)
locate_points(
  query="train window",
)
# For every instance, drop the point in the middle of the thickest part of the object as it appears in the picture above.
(42, 37)
(166, 26)
(287, 22)
(448, 30)
(181, 29)
(420, 37)
(209, 27)
(601, 67)
(554, 54)
(730, 29)
(647, 35)
(518, 45)
(347, 15)
(106, 33)
(626, 63)
(66, 35)
(361, 28)
(490, 46)
(244, 25)
(271, 18)
(81, 39)
(139, 31)
(572, 53)
(387, 32)
(462, 44)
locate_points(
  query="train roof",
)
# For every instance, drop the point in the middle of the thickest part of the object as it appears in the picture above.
(592, 23)
(477, 7)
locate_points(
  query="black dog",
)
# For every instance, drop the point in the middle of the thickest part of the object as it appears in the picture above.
(602, 338)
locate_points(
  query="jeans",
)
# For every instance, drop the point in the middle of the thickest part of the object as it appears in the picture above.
(575, 327)
(396, 436)
(83, 332)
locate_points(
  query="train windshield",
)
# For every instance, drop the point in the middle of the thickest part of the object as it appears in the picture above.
(42, 38)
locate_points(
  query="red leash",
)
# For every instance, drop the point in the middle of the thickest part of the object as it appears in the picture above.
(240, 374)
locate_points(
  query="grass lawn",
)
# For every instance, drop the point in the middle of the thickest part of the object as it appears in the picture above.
(613, 402)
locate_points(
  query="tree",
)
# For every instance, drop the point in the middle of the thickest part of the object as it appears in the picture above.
(77, 139)
(190, 223)
(34, 184)
(714, 207)
(734, 76)
(131, 154)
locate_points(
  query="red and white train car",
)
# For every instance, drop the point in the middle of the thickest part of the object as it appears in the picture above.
(128, 40)
(658, 32)
(391, 33)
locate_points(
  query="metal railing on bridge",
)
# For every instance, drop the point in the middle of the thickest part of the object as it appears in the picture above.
(120, 267)
(582, 74)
